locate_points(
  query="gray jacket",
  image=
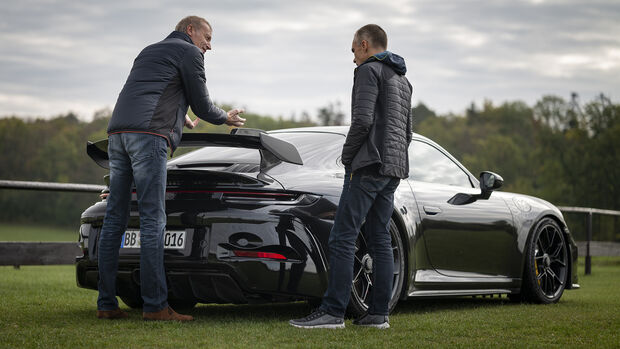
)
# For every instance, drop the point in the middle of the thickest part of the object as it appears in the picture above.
(381, 121)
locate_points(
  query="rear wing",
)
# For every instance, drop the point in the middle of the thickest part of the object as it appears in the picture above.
(272, 150)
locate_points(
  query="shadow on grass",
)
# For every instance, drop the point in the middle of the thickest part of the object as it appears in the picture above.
(268, 311)
(285, 311)
(277, 312)
(413, 306)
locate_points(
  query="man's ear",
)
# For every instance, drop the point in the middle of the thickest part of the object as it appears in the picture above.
(364, 45)
(190, 30)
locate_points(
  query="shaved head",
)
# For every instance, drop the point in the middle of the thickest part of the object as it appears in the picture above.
(372, 33)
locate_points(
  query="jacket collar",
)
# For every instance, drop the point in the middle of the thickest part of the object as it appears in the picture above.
(180, 35)
(391, 59)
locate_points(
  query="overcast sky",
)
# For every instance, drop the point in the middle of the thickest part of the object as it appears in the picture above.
(286, 57)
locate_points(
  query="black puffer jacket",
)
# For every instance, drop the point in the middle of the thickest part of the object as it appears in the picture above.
(166, 77)
(381, 123)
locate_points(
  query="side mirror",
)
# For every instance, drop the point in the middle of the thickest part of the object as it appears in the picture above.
(489, 181)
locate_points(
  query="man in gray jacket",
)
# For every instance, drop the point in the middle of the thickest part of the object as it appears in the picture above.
(166, 78)
(375, 158)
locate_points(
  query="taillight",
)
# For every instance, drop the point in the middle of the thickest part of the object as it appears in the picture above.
(237, 196)
(258, 254)
(240, 195)
(248, 197)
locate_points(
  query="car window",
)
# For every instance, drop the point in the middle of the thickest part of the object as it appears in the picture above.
(429, 164)
(218, 155)
(317, 150)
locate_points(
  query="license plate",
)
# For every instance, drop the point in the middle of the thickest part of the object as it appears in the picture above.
(173, 239)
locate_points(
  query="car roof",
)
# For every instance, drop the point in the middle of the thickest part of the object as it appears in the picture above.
(341, 130)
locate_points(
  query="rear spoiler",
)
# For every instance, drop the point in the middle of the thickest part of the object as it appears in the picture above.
(272, 150)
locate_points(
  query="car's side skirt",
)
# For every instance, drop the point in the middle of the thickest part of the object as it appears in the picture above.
(431, 283)
(442, 293)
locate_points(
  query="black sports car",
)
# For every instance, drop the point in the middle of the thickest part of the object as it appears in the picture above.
(249, 215)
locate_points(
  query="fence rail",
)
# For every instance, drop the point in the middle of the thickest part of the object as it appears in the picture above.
(589, 211)
(52, 186)
(38, 253)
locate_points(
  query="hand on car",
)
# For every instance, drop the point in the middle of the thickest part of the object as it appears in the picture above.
(234, 119)
(189, 123)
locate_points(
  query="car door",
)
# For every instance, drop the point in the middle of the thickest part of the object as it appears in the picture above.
(471, 240)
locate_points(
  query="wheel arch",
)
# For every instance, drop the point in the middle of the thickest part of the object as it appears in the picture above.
(567, 240)
(560, 222)
(402, 232)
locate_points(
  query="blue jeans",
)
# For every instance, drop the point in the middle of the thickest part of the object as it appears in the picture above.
(141, 159)
(370, 197)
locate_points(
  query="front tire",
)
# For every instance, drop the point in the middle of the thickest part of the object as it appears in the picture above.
(362, 275)
(546, 264)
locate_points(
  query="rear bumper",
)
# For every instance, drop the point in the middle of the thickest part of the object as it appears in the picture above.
(216, 265)
(200, 285)
(230, 255)
(209, 283)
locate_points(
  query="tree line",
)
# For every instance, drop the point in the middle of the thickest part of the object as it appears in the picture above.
(560, 150)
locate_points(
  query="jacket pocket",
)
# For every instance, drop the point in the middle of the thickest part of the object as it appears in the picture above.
(174, 135)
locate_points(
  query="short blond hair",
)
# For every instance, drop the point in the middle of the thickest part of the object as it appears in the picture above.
(194, 21)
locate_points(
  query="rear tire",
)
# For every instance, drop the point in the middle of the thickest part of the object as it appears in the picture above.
(362, 277)
(546, 264)
(181, 305)
(133, 301)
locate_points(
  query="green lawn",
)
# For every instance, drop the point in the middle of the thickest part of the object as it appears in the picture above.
(40, 306)
(17, 232)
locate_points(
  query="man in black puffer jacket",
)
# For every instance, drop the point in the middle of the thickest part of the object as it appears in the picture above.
(149, 115)
(375, 158)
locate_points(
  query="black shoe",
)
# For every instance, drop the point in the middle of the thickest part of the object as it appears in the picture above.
(318, 319)
(376, 321)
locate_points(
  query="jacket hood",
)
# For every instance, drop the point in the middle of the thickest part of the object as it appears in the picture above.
(395, 61)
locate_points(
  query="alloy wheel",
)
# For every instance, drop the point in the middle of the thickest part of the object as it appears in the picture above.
(363, 272)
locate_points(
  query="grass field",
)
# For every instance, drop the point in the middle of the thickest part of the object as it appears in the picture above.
(40, 307)
(17, 232)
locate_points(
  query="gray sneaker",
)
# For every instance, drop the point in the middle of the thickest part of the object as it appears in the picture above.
(376, 321)
(318, 319)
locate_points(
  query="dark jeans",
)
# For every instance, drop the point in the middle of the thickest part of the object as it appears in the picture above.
(370, 197)
(139, 158)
